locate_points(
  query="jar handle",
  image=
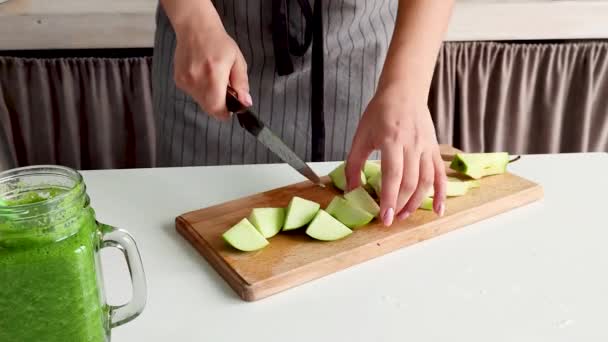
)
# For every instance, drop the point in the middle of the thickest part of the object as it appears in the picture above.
(123, 241)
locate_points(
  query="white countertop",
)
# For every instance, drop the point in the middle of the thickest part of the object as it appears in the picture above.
(538, 273)
(63, 24)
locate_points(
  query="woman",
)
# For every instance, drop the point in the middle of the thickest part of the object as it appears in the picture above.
(339, 81)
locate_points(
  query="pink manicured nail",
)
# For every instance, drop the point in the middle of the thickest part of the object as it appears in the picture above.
(388, 216)
(441, 209)
(248, 100)
(404, 215)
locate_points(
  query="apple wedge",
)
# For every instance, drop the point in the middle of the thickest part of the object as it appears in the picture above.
(376, 183)
(371, 169)
(300, 212)
(268, 221)
(478, 165)
(427, 203)
(349, 215)
(338, 177)
(245, 237)
(325, 227)
(363, 200)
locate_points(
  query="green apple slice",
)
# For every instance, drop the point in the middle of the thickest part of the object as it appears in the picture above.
(268, 221)
(456, 187)
(478, 165)
(338, 177)
(349, 215)
(361, 199)
(325, 227)
(371, 169)
(300, 212)
(245, 237)
(427, 203)
(376, 183)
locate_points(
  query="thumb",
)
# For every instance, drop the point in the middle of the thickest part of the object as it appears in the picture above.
(356, 159)
(239, 80)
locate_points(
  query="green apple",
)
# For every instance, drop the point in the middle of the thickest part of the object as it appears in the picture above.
(268, 221)
(338, 177)
(456, 187)
(361, 199)
(478, 165)
(245, 237)
(376, 183)
(300, 212)
(371, 169)
(349, 215)
(427, 203)
(325, 227)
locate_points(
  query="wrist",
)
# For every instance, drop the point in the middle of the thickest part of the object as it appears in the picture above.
(189, 16)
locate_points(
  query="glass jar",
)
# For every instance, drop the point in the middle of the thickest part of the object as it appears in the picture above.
(51, 283)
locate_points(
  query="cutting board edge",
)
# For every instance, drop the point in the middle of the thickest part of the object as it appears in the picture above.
(234, 280)
(363, 253)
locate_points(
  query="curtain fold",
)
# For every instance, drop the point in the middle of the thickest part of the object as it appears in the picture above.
(85, 113)
(522, 97)
(96, 113)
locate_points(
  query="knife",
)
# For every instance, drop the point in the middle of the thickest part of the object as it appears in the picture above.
(250, 122)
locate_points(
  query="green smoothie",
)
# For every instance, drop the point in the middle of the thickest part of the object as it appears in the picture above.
(48, 283)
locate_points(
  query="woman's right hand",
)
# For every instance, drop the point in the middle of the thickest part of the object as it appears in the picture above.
(206, 61)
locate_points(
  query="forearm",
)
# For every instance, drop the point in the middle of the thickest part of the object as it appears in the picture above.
(186, 14)
(419, 31)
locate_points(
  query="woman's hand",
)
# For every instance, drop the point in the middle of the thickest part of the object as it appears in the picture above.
(411, 162)
(207, 60)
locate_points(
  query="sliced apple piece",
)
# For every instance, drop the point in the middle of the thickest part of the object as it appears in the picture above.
(325, 227)
(245, 237)
(371, 169)
(268, 221)
(361, 199)
(338, 177)
(376, 183)
(478, 165)
(300, 212)
(427, 203)
(349, 215)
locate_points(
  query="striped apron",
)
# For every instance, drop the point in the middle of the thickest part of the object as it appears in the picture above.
(311, 73)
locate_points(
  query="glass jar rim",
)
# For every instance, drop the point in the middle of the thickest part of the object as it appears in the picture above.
(35, 170)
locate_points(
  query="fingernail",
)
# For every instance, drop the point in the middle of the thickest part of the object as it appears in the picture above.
(388, 216)
(248, 100)
(404, 215)
(441, 209)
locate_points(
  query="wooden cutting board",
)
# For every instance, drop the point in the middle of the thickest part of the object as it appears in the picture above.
(293, 258)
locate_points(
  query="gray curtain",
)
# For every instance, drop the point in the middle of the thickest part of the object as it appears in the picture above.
(86, 113)
(94, 113)
(545, 97)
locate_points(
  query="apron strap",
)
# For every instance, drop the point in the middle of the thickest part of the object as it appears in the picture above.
(286, 45)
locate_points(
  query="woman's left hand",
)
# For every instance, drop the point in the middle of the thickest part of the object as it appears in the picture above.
(402, 129)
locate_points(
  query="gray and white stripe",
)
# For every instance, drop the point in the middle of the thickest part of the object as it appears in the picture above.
(357, 34)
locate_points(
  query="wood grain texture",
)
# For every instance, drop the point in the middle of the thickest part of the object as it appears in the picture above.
(293, 258)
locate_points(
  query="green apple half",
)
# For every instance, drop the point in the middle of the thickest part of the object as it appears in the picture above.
(268, 221)
(348, 214)
(325, 227)
(362, 199)
(454, 186)
(478, 165)
(338, 177)
(300, 212)
(245, 237)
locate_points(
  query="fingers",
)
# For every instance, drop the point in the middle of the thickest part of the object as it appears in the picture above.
(440, 184)
(359, 152)
(424, 183)
(392, 172)
(239, 80)
(411, 169)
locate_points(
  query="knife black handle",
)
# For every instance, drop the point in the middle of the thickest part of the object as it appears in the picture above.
(232, 101)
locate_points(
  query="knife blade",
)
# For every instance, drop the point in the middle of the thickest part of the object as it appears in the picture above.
(250, 122)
